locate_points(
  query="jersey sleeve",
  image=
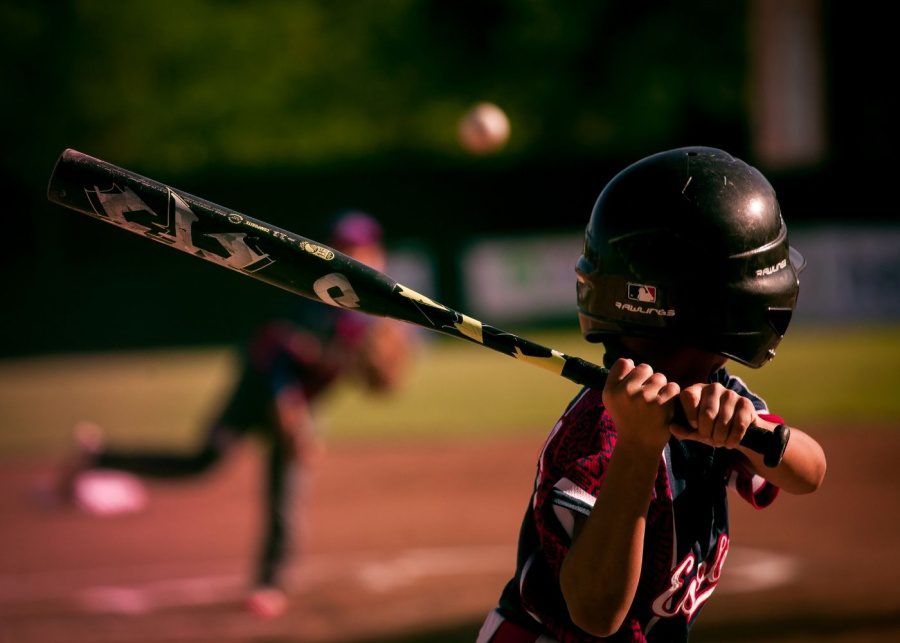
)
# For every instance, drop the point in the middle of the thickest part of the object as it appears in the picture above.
(576, 492)
(570, 472)
(578, 479)
(752, 487)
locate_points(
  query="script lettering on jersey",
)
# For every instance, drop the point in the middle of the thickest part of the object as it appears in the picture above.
(126, 209)
(686, 593)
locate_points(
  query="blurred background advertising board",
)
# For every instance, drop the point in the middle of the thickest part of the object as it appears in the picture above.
(852, 275)
(522, 279)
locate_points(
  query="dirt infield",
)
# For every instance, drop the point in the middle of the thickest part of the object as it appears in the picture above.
(413, 543)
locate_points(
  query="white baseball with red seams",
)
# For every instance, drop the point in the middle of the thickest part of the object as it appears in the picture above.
(484, 129)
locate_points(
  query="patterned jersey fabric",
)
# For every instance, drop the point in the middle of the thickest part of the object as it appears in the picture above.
(686, 537)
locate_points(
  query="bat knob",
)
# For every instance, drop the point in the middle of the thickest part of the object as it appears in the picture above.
(777, 445)
(770, 444)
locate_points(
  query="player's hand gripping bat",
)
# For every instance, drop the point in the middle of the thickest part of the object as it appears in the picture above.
(300, 265)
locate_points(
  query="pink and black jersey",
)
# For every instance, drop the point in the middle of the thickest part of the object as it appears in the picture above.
(686, 537)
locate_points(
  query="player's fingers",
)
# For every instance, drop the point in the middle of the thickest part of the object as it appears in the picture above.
(615, 380)
(744, 417)
(722, 424)
(634, 381)
(668, 396)
(619, 370)
(652, 386)
(669, 392)
(708, 409)
(690, 402)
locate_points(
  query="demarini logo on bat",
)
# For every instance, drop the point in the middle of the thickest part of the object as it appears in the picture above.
(124, 208)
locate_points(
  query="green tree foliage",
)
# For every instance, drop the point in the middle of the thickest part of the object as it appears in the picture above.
(186, 84)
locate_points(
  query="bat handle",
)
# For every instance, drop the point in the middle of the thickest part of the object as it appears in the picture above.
(769, 444)
(585, 373)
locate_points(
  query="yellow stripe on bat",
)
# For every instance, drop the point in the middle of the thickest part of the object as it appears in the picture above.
(554, 363)
(471, 328)
(409, 293)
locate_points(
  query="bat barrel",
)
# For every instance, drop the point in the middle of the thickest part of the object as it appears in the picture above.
(219, 235)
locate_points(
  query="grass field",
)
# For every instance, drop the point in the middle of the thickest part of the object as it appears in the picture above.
(824, 377)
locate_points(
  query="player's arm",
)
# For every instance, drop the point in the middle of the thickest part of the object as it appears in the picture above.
(719, 417)
(599, 576)
(801, 470)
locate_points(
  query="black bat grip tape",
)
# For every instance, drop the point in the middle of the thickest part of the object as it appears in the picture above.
(769, 444)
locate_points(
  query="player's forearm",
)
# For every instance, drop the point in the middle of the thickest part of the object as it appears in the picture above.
(600, 573)
(802, 469)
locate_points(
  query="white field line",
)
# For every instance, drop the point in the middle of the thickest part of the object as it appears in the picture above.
(151, 588)
(752, 570)
(407, 567)
(61, 583)
(158, 595)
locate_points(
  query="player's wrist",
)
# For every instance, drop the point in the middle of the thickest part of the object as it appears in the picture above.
(638, 445)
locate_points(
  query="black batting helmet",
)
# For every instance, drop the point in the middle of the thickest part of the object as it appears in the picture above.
(689, 245)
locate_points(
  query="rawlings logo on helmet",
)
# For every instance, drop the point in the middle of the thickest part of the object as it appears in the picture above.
(771, 270)
(662, 312)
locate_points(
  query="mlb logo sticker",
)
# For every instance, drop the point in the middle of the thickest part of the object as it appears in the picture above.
(642, 292)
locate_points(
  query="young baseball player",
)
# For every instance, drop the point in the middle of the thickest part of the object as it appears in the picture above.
(686, 265)
(286, 367)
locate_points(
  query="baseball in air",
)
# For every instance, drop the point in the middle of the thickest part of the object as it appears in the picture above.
(483, 129)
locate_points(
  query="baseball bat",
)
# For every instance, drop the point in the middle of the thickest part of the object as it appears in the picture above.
(299, 265)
